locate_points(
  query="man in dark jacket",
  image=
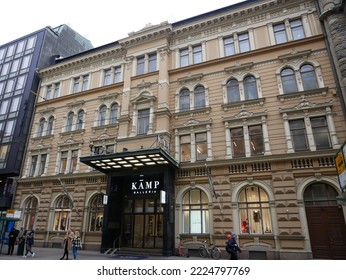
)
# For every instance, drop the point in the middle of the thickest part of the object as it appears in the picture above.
(12, 237)
(233, 247)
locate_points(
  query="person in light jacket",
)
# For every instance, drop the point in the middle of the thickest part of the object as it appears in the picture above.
(67, 243)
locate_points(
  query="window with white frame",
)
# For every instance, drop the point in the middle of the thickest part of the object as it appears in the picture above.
(193, 146)
(63, 162)
(241, 90)
(96, 213)
(75, 85)
(199, 97)
(244, 42)
(288, 30)
(191, 55)
(250, 88)
(80, 119)
(42, 166)
(117, 74)
(56, 90)
(197, 54)
(49, 92)
(30, 211)
(62, 214)
(102, 115)
(280, 33)
(146, 63)
(140, 65)
(184, 100)
(114, 113)
(319, 130)
(85, 82)
(152, 62)
(233, 94)
(184, 57)
(40, 129)
(306, 74)
(297, 29)
(107, 77)
(188, 101)
(69, 123)
(50, 125)
(143, 121)
(195, 212)
(254, 211)
(73, 161)
(229, 48)
(33, 165)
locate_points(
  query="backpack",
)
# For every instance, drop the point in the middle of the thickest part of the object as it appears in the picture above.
(228, 247)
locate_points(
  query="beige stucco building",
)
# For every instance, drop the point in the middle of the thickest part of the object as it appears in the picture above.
(125, 135)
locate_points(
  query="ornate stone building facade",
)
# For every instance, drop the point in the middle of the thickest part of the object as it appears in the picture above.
(227, 121)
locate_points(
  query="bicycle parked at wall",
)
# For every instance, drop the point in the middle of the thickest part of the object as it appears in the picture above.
(210, 252)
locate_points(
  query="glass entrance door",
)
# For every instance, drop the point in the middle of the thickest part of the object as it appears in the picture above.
(142, 225)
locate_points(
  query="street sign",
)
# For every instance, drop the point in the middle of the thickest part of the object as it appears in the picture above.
(340, 165)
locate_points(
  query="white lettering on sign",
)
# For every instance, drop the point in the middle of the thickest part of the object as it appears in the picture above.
(145, 187)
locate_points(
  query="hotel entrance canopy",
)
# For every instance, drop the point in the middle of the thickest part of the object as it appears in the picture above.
(109, 163)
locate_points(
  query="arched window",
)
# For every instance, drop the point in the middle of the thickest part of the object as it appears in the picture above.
(184, 100)
(195, 212)
(250, 88)
(30, 210)
(96, 213)
(254, 211)
(62, 214)
(199, 96)
(288, 79)
(80, 119)
(102, 115)
(233, 91)
(69, 121)
(320, 194)
(41, 127)
(114, 113)
(50, 125)
(308, 75)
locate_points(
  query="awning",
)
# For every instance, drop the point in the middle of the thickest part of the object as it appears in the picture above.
(130, 159)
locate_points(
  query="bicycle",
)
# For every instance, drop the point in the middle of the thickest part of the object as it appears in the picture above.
(180, 249)
(212, 252)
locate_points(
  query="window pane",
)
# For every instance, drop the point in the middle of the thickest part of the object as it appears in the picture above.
(199, 97)
(237, 138)
(152, 62)
(233, 91)
(250, 88)
(280, 33)
(320, 132)
(308, 77)
(298, 133)
(143, 121)
(201, 146)
(140, 65)
(184, 57)
(117, 75)
(185, 148)
(244, 43)
(229, 46)
(102, 115)
(184, 99)
(288, 79)
(197, 54)
(297, 29)
(256, 140)
(107, 78)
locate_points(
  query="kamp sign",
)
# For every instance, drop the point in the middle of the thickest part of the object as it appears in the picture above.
(146, 185)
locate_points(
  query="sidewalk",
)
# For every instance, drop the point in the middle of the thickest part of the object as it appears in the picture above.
(56, 254)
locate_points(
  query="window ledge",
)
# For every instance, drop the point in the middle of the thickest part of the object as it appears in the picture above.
(78, 131)
(301, 94)
(106, 126)
(192, 113)
(245, 103)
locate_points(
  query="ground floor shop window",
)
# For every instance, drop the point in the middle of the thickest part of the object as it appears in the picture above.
(254, 211)
(30, 211)
(62, 214)
(96, 213)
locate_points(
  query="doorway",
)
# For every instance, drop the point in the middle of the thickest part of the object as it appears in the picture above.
(326, 222)
(142, 225)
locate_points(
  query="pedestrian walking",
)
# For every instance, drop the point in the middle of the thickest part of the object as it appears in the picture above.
(76, 244)
(29, 242)
(67, 243)
(232, 247)
(21, 241)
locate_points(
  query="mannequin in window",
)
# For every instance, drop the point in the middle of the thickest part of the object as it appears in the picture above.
(245, 226)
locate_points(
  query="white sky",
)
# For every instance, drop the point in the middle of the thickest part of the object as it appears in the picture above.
(102, 21)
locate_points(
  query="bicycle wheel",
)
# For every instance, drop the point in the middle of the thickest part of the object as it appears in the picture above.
(202, 252)
(216, 253)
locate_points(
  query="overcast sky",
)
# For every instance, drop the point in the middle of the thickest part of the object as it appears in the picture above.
(102, 21)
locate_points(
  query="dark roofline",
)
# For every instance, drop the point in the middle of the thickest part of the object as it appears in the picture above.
(212, 13)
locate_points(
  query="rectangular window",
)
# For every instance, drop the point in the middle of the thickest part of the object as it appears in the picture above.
(244, 42)
(56, 90)
(185, 148)
(10, 51)
(298, 133)
(49, 92)
(15, 104)
(74, 159)
(3, 153)
(117, 74)
(197, 54)
(42, 164)
(256, 140)
(140, 65)
(184, 57)
(20, 47)
(107, 78)
(9, 128)
(26, 62)
(109, 149)
(238, 145)
(33, 166)
(75, 85)
(5, 69)
(15, 65)
(280, 33)
(143, 121)
(4, 106)
(229, 46)
(152, 62)
(201, 146)
(297, 29)
(63, 162)
(321, 133)
(85, 84)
